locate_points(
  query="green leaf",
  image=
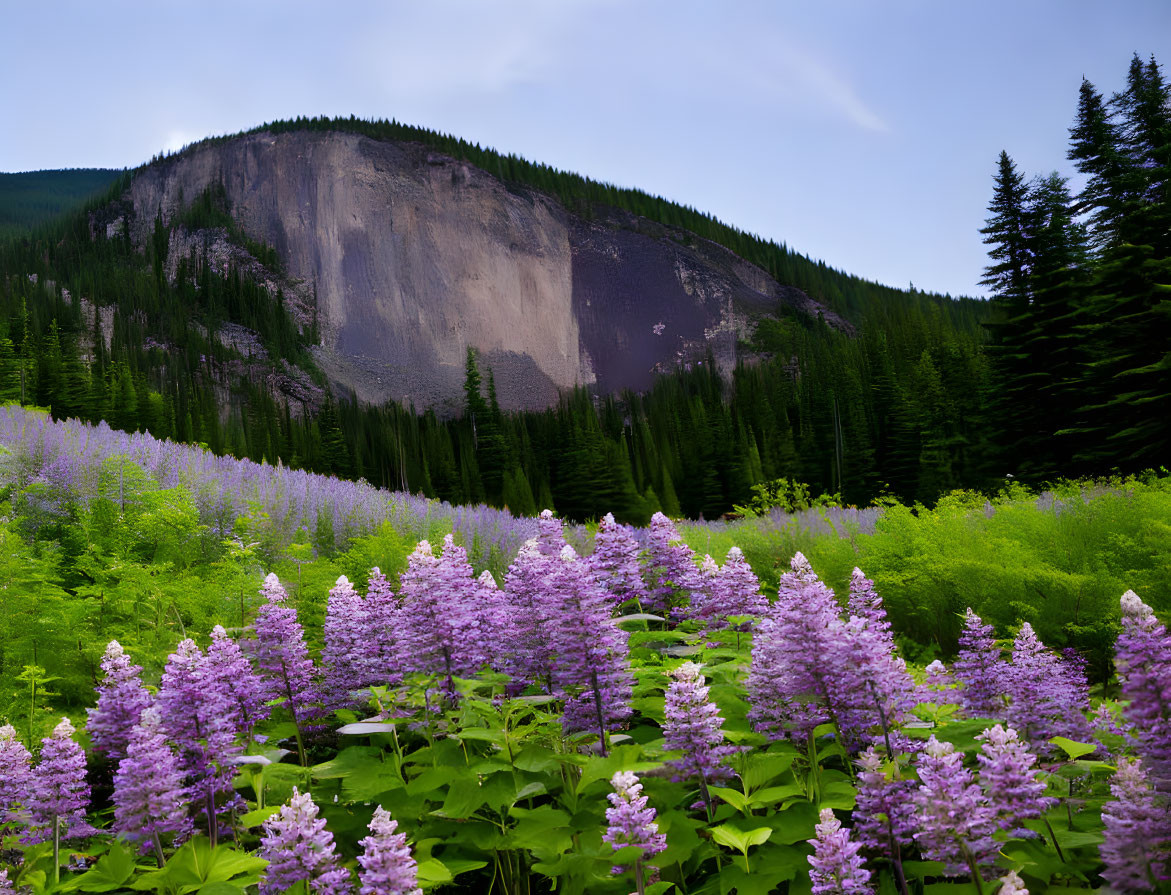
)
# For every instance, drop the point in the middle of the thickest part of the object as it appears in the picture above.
(659, 888)
(222, 888)
(111, 871)
(257, 816)
(1072, 748)
(774, 795)
(197, 864)
(760, 768)
(482, 733)
(741, 840)
(463, 798)
(432, 872)
(621, 758)
(733, 797)
(538, 759)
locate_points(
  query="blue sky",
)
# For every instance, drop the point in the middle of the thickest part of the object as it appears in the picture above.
(860, 133)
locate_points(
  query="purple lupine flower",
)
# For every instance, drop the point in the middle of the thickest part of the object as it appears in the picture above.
(591, 660)
(149, 796)
(670, 572)
(441, 628)
(1143, 661)
(614, 563)
(884, 814)
(981, 670)
(232, 673)
(283, 660)
(531, 598)
(694, 727)
(198, 716)
(550, 534)
(388, 867)
(495, 620)
(1009, 778)
(5, 882)
(1105, 721)
(383, 608)
(955, 820)
(631, 821)
(865, 603)
(873, 688)
(1137, 849)
(347, 654)
(59, 793)
(810, 667)
(836, 868)
(799, 575)
(16, 774)
(298, 848)
(121, 699)
(732, 590)
(940, 686)
(790, 683)
(1045, 700)
(1011, 884)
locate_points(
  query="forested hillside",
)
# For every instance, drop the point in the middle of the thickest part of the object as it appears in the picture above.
(31, 198)
(891, 406)
(912, 402)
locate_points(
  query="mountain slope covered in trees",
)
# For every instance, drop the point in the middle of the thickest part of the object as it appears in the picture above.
(209, 348)
(31, 198)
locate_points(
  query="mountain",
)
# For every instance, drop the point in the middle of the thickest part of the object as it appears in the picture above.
(309, 292)
(406, 257)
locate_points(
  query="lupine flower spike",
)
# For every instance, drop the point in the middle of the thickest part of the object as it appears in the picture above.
(695, 727)
(614, 563)
(199, 720)
(956, 822)
(15, 774)
(121, 699)
(592, 661)
(836, 868)
(1045, 697)
(298, 848)
(1143, 658)
(284, 660)
(1137, 850)
(980, 669)
(632, 822)
(232, 673)
(149, 798)
(1009, 777)
(884, 815)
(388, 868)
(349, 648)
(60, 794)
(1011, 884)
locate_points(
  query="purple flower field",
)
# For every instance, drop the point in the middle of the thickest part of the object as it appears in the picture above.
(625, 720)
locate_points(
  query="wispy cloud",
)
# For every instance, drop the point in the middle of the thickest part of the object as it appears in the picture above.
(466, 48)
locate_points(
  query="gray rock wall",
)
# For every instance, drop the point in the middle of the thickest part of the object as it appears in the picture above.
(413, 256)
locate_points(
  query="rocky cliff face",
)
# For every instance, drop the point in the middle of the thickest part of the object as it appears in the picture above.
(409, 257)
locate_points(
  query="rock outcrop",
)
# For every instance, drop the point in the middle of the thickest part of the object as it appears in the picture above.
(407, 257)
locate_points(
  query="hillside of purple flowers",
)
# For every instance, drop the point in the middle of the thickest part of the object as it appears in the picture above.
(635, 718)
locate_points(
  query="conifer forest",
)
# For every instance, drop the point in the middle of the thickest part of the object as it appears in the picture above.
(880, 608)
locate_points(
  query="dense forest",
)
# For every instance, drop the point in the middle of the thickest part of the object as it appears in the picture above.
(33, 197)
(1063, 372)
(1081, 337)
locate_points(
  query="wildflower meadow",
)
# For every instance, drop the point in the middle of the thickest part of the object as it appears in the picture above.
(569, 709)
